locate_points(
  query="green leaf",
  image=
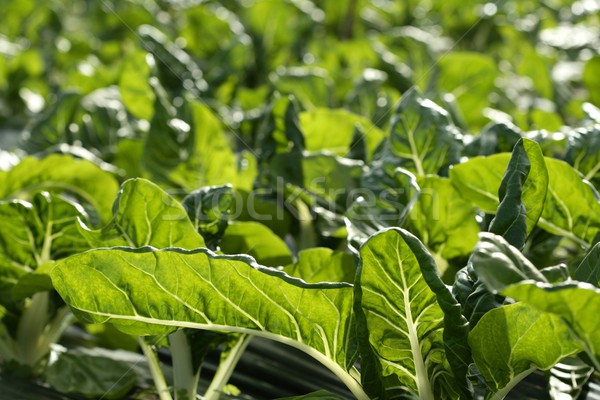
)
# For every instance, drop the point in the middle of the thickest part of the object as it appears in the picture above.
(444, 221)
(496, 137)
(522, 194)
(333, 130)
(389, 196)
(470, 78)
(61, 174)
(575, 303)
(479, 178)
(588, 269)
(423, 138)
(311, 85)
(571, 207)
(91, 376)
(187, 148)
(175, 68)
(257, 240)
(32, 234)
(52, 127)
(591, 73)
(499, 264)
(145, 215)
(512, 341)
(475, 299)
(320, 264)
(400, 303)
(583, 152)
(282, 139)
(209, 209)
(330, 179)
(146, 291)
(136, 92)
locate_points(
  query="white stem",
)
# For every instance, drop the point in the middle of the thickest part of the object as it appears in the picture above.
(157, 375)
(185, 379)
(226, 368)
(502, 393)
(31, 329)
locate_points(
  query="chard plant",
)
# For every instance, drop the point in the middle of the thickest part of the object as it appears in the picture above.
(405, 193)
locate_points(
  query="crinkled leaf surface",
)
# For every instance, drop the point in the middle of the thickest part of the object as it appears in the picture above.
(392, 192)
(400, 303)
(145, 215)
(187, 147)
(257, 240)
(147, 291)
(209, 209)
(571, 207)
(320, 264)
(522, 193)
(496, 137)
(512, 341)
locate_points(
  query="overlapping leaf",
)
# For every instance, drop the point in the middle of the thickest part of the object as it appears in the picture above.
(144, 215)
(405, 317)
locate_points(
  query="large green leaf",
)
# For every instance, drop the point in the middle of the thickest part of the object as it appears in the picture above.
(257, 240)
(444, 221)
(320, 264)
(404, 312)
(512, 341)
(571, 207)
(146, 291)
(499, 264)
(522, 193)
(32, 234)
(61, 174)
(145, 215)
(478, 180)
(576, 303)
(423, 138)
